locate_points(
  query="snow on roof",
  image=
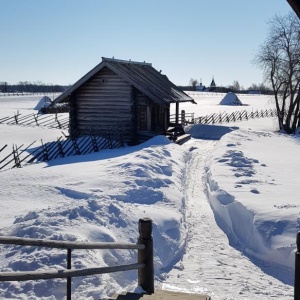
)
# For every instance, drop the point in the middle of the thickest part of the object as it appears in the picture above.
(231, 99)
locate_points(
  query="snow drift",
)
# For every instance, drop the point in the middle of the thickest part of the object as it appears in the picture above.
(251, 199)
(84, 198)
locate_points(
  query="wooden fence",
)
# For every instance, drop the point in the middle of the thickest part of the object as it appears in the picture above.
(144, 264)
(235, 116)
(12, 94)
(107, 138)
(60, 121)
(189, 118)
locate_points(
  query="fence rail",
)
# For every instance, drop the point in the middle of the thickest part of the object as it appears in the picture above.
(144, 264)
(11, 94)
(38, 275)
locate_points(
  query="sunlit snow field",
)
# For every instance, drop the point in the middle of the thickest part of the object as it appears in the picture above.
(242, 175)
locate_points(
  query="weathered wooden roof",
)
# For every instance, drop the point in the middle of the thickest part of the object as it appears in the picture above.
(295, 4)
(141, 75)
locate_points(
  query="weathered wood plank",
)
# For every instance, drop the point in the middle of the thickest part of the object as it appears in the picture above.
(8, 240)
(102, 105)
(37, 275)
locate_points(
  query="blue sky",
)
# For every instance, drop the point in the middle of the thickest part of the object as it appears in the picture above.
(58, 41)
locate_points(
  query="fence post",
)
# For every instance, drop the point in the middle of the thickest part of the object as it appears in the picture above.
(16, 117)
(16, 157)
(146, 274)
(69, 279)
(297, 270)
(36, 119)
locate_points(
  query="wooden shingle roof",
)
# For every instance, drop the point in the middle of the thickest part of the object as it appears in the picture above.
(141, 75)
(295, 4)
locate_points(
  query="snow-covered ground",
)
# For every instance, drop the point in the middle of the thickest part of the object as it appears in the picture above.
(223, 206)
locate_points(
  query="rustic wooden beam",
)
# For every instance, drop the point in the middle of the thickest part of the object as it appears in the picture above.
(37, 275)
(67, 245)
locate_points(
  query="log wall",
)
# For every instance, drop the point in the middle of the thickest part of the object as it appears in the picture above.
(104, 101)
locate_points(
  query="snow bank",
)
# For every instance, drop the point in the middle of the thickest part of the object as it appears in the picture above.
(97, 197)
(231, 99)
(209, 132)
(257, 206)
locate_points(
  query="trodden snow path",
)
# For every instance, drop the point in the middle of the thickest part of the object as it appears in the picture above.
(210, 265)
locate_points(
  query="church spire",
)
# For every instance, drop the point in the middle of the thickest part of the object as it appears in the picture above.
(212, 85)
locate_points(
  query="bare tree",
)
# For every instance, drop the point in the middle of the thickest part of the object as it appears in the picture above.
(236, 85)
(193, 83)
(279, 57)
(253, 87)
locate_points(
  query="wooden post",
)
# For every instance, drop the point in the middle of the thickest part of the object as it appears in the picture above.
(177, 114)
(183, 117)
(146, 274)
(69, 279)
(16, 117)
(36, 119)
(297, 270)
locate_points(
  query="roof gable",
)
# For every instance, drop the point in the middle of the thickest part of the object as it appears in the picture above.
(295, 4)
(141, 75)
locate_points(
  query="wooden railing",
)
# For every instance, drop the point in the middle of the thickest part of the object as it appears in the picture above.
(183, 118)
(144, 264)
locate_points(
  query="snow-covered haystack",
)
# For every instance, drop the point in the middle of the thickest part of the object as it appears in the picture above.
(231, 99)
(44, 102)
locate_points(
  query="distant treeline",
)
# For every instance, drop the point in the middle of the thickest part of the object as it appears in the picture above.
(32, 87)
(227, 90)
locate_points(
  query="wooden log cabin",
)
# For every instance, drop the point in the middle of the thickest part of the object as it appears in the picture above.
(130, 93)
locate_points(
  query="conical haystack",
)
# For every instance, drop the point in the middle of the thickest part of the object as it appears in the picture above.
(231, 99)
